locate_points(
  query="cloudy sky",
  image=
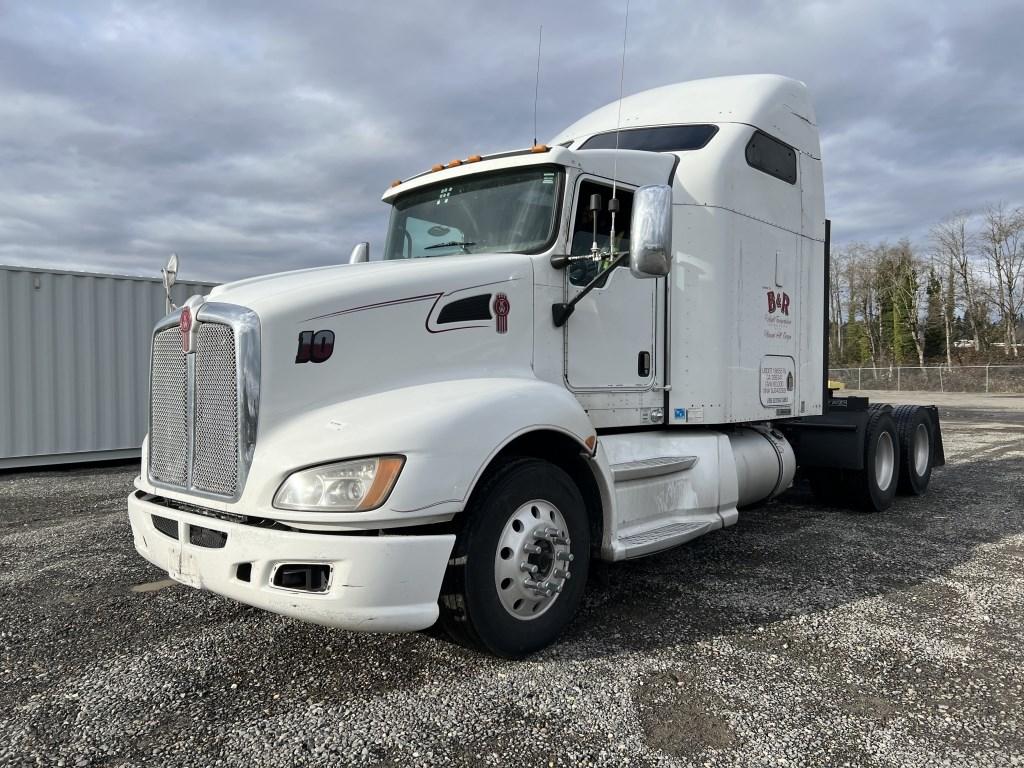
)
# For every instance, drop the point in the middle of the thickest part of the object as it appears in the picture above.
(256, 136)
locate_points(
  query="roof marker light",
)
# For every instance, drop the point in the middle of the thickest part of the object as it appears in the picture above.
(538, 148)
(396, 182)
(437, 167)
(455, 163)
(474, 159)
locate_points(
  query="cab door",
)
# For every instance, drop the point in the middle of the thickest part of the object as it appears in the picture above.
(614, 341)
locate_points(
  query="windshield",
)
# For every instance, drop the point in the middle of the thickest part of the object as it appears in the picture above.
(513, 211)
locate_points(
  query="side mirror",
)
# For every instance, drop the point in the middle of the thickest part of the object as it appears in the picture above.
(170, 275)
(650, 245)
(360, 253)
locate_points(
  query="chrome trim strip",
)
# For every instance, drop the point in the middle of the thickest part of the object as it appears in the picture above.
(663, 465)
(190, 416)
(168, 321)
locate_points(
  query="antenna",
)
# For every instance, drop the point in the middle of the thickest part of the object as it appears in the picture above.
(536, 85)
(613, 204)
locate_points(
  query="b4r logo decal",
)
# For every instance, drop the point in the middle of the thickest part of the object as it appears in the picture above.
(501, 310)
(315, 346)
(778, 301)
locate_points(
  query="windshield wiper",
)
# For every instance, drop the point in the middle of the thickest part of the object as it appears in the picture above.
(461, 243)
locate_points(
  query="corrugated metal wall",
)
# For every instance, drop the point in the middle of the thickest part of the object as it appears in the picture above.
(74, 363)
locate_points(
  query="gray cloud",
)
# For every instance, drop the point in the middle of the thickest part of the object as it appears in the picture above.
(251, 138)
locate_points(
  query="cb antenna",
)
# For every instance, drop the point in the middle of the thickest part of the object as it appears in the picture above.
(536, 85)
(613, 204)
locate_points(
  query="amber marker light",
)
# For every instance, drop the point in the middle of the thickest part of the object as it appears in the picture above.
(591, 443)
(474, 159)
(387, 473)
(396, 182)
(455, 163)
(538, 148)
(437, 167)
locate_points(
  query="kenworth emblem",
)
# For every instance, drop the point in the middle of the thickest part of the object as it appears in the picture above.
(501, 309)
(186, 327)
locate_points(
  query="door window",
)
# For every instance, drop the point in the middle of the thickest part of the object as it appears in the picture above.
(609, 244)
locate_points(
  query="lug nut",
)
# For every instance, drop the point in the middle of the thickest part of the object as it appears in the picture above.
(565, 557)
(533, 549)
(527, 567)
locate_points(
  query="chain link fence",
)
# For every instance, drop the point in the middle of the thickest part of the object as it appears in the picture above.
(1008, 379)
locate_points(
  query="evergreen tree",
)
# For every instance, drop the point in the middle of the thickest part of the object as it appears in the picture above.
(934, 330)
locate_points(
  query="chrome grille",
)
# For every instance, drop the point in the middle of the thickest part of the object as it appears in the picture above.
(215, 447)
(204, 405)
(168, 425)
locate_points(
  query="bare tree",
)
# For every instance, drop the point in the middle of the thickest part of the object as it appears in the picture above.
(862, 271)
(1002, 240)
(838, 284)
(955, 245)
(946, 276)
(906, 291)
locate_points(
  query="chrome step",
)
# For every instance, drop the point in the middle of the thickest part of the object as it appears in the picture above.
(656, 467)
(663, 537)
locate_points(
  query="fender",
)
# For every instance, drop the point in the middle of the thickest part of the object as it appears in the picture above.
(448, 431)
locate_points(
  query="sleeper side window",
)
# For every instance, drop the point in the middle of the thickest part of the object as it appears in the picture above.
(582, 271)
(771, 156)
(665, 138)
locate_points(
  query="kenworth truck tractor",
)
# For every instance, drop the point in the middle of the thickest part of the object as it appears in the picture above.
(600, 347)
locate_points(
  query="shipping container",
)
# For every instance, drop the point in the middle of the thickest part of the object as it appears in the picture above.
(74, 363)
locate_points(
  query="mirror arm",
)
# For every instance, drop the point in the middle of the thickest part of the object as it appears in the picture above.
(561, 311)
(563, 260)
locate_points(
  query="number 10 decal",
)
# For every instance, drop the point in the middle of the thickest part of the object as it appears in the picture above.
(315, 346)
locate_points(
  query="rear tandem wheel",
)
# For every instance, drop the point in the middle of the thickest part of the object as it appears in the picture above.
(873, 488)
(916, 434)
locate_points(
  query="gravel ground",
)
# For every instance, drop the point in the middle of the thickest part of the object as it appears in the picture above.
(803, 635)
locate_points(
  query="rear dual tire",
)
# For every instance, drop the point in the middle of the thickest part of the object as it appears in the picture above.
(873, 488)
(899, 453)
(916, 432)
(875, 485)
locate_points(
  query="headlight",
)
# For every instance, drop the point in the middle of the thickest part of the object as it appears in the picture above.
(345, 486)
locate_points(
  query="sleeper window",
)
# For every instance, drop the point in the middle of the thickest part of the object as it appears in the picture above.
(771, 156)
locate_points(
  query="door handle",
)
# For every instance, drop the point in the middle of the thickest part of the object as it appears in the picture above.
(643, 364)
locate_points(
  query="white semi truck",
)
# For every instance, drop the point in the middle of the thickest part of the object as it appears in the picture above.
(601, 347)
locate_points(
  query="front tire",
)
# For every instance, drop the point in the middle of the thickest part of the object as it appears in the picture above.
(520, 563)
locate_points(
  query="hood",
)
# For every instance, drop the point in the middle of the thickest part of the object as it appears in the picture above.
(337, 333)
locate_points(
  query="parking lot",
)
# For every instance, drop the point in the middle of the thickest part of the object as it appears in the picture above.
(803, 635)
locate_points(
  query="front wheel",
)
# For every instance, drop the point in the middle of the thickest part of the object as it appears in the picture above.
(520, 563)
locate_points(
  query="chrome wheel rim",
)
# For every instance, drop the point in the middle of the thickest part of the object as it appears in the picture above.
(533, 559)
(922, 449)
(885, 461)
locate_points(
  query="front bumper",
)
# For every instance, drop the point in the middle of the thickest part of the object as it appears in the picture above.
(377, 583)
